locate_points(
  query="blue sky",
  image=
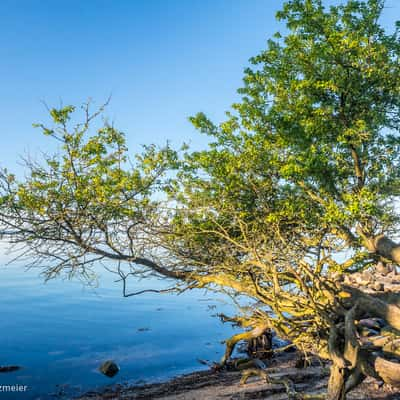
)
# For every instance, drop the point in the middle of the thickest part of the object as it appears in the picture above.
(162, 61)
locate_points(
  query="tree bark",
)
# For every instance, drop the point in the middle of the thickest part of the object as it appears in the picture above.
(336, 384)
(231, 343)
(388, 371)
(384, 247)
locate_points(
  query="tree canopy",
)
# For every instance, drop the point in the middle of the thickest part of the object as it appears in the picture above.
(297, 188)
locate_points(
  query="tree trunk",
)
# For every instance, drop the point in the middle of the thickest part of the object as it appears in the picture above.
(383, 246)
(257, 331)
(261, 346)
(336, 384)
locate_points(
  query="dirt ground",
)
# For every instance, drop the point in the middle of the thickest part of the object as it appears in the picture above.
(225, 385)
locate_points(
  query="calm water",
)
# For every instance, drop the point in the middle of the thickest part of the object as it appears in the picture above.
(60, 332)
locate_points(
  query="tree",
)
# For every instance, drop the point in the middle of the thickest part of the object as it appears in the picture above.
(296, 190)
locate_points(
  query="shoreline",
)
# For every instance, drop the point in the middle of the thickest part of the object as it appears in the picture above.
(225, 385)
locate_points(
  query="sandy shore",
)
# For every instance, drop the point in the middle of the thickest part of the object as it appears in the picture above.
(225, 385)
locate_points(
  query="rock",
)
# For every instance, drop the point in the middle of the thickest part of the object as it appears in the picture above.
(382, 268)
(109, 368)
(370, 323)
(337, 277)
(393, 347)
(379, 286)
(367, 277)
(379, 321)
(9, 368)
(143, 329)
(358, 280)
(379, 385)
(348, 280)
(367, 332)
(377, 341)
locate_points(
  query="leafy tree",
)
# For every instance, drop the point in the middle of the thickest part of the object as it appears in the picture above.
(297, 188)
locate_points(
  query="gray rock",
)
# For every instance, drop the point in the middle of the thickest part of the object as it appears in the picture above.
(370, 323)
(367, 277)
(367, 332)
(109, 368)
(9, 368)
(382, 268)
(379, 286)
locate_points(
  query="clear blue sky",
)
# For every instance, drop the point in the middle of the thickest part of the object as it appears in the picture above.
(162, 61)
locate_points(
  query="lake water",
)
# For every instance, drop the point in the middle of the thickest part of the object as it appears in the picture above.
(60, 332)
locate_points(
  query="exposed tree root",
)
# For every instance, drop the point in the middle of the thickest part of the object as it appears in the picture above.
(287, 383)
(256, 332)
(363, 341)
(388, 371)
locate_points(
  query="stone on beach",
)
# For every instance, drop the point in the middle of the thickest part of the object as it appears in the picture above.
(109, 368)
